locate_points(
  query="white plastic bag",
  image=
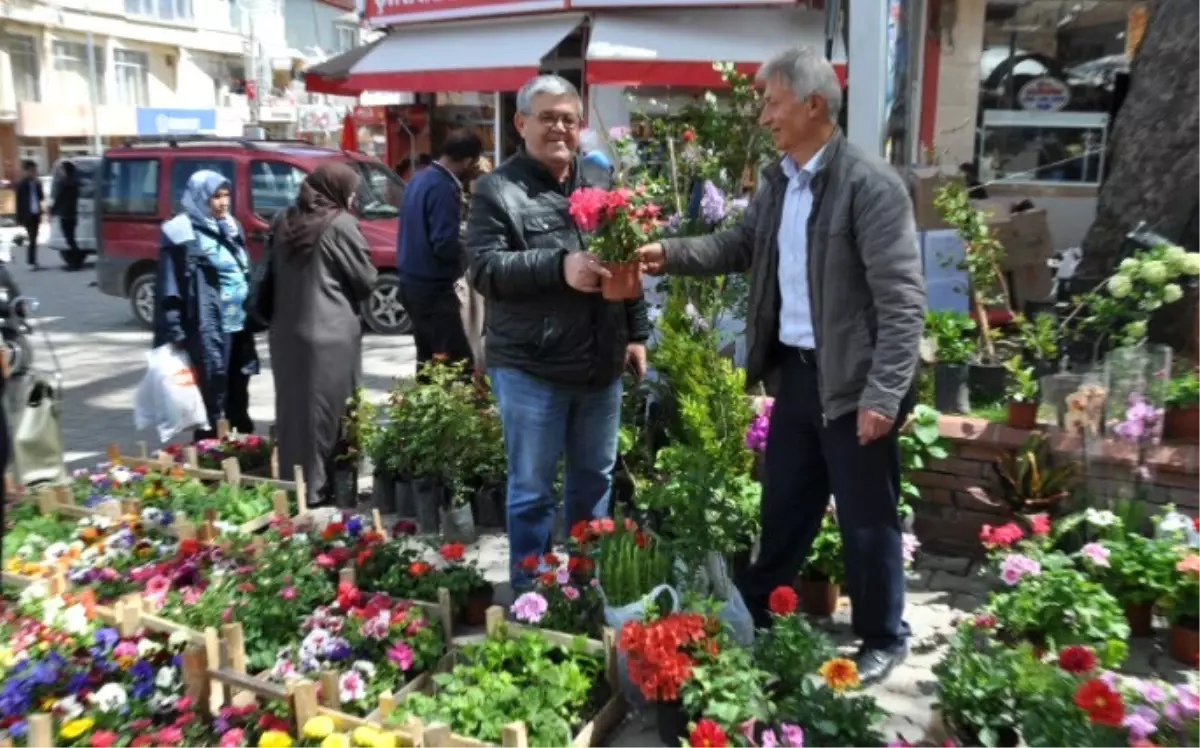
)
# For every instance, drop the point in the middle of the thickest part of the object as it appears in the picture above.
(615, 618)
(167, 397)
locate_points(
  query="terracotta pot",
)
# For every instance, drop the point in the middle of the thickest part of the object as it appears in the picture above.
(819, 597)
(474, 611)
(1141, 618)
(1022, 415)
(625, 283)
(1184, 644)
(1182, 424)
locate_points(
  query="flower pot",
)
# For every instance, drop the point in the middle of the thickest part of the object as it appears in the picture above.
(345, 486)
(474, 610)
(672, 722)
(383, 492)
(427, 495)
(625, 283)
(1182, 424)
(458, 524)
(405, 505)
(986, 382)
(819, 597)
(489, 505)
(1184, 644)
(1141, 618)
(1022, 415)
(950, 392)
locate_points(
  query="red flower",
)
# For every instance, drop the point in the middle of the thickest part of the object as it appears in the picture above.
(1102, 704)
(708, 734)
(332, 530)
(452, 551)
(168, 736)
(141, 741)
(530, 562)
(362, 556)
(640, 539)
(985, 621)
(417, 568)
(325, 561)
(579, 532)
(661, 652)
(782, 601)
(1000, 537)
(1077, 659)
(688, 136)
(348, 595)
(102, 738)
(139, 724)
(404, 527)
(551, 560)
(579, 564)
(246, 586)
(1040, 523)
(548, 579)
(189, 546)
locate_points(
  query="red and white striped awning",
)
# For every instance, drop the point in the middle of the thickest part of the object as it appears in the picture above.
(677, 47)
(475, 55)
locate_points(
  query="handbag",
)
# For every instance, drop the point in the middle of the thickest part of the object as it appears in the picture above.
(37, 438)
(260, 301)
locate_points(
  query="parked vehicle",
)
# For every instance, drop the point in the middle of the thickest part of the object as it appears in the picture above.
(85, 228)
(141, 182)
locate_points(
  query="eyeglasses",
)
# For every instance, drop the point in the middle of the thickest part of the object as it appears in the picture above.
(550, 119)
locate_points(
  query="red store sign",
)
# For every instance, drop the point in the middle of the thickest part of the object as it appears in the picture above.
(367, 116)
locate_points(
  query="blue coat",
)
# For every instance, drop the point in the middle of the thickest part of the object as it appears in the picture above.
(429, 245)
(187, 307)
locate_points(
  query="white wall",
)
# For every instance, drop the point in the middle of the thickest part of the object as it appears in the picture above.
(312, 25)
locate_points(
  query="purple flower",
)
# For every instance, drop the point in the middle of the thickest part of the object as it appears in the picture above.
(769, 740)
(1189, 698)
(354, 526)
(712, 204)
(1152, 692)
(793, 735)
(1141, 723)
(529, 607)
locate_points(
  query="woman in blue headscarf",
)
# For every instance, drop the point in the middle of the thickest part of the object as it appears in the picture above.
(203, 281)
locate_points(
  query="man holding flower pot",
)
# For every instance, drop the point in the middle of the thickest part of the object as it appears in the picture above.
(838, 300)
(555, 348)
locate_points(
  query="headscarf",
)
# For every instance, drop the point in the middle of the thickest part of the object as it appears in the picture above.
(201, 186)
(323, 195)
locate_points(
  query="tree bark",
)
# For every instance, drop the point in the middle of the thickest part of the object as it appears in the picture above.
(1155, 175)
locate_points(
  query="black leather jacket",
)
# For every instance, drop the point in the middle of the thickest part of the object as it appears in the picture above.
(518, 232)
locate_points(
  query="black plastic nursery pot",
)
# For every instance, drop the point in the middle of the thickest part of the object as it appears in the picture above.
(344, 482)
(672, 722)
(406, 508)
(428, 495)
(383, 491)
(490, 506)
(950, 391)
(987, 382)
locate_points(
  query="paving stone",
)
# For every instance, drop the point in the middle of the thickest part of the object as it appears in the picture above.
(952, 564)
(967, 602)
(944, 580)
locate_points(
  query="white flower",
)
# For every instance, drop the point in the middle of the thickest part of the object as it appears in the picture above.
(109, 698)
(152, 515)
(1100, 518)
(351, 687)
(33, 593)
(147, 647)
(1190, 265)
(1172, 293)
(1129, 266)
(1154, 272)
(1175, 256)
(366, 668)
(120, 475)
(50, 610)
(165, 678)
(179, 639)
(55, 550)
(161, 703)
(68, 707)
(75, 620)
(1135, 330)
(1119, 286)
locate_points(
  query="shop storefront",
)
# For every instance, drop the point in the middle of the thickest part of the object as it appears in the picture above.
(278, 120)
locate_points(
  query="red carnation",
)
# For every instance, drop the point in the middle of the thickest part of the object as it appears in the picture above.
(1077, 659)
(348, 595)
(452, 551)
(782, 601)
(551, 560)
(1040, 523)
(708, 734)
(1102, 704)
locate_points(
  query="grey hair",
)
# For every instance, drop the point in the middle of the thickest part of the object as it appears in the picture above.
(806, 72)
(552, 85)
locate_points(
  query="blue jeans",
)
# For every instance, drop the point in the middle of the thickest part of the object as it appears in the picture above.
(543, 422)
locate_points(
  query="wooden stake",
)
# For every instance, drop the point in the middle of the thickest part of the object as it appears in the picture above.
(212, 655)
(233, 471)
(195, 674)
(191, 457)
(346, 575)
(279, 501)
(446, 613)
(329, 689)
(222, 428)
(41, 729)
(235, 650)
(514, 734)
(274, 462)
(609, 637)
(114, 453)
(64, 495)
(301, 490)
(378, 520)
(494, 620)
(58, 583)
(165, 460)
(184, 530)
(304, 703)
(47, 502)
(128, 618)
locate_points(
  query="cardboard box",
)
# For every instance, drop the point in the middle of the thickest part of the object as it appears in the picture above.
(1028, 246)
(923, 183)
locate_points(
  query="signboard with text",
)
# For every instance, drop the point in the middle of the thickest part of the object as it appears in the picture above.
(154, 121)
(381, 13)
(1044, 94)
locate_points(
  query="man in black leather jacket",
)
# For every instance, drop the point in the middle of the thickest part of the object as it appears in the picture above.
(555, 348)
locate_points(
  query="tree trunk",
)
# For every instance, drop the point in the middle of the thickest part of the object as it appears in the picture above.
(1155, 175)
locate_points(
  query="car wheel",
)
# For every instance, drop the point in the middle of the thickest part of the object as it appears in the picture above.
(141, 299)
(383, 312)
(74, 258)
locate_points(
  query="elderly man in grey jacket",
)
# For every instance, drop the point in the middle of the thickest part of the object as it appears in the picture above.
(836, 308)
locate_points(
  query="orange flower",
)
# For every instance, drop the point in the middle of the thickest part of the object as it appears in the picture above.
(1190, 563)
(840, 674)
(88, 534)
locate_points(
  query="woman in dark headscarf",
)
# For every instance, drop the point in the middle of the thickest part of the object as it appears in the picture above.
(318, 273)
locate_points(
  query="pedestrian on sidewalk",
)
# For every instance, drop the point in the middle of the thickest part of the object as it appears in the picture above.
(66, 204)
(30, 198)
(317, 274)
(838, 299)
(200, 292)
(556, 349)
(430, 251)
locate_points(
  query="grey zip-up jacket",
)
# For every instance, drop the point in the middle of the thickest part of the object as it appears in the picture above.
(865, 278)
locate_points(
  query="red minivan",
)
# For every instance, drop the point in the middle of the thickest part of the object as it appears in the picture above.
(141, 182)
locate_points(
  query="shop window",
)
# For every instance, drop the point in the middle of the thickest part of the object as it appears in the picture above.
(23, 59)
(183, 169)
(274, 186)
(132, 69)
(347, 38)
(131, 186)
(72, 73)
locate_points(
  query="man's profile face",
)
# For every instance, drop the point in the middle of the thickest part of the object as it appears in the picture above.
(789, 119)
(551, 130)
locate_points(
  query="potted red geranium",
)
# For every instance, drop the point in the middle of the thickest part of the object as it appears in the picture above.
(619, 221)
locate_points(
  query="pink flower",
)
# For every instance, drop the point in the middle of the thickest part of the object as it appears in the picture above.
(530, 607)
(227, 615)
(401, 655)
(1096, 553)
(1016, 566)
(570, 592)
(769, 740)
(168, 736)
(288, 593)
(191, 595)
(125, 649)
(325, 561)
(793, 735)
(899, 742)
(158, 586)
(562, 576)
(587, 206)
(747, 730)
(414, 627)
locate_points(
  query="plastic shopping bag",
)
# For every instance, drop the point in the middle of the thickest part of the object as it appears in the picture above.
(616, 617)
(168, 397)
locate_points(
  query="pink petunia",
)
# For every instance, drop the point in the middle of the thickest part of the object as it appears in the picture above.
(401, 655)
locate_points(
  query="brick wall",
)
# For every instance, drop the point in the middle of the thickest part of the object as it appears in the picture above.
(948, 517)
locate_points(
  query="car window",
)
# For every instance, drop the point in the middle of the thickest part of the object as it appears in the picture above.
(379, 190)
(131, 186)
(183, 169)
(273, 187)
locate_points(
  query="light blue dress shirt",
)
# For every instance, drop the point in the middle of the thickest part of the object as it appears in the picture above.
(795, 308)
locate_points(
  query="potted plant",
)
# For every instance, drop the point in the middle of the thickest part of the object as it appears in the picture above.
(357, 424)
(490, 471)
(977, 686)
(1039, 342)
(1022, 391)
(1181, 422)
(950, 333)
(458, 516)
(823, 572)
(618, 221)
(1137, 570)
(1183, 608)
(1031, 483)
(470, 591)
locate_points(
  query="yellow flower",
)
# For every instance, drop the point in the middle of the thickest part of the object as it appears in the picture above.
(13, 564)
(365, 736)
(318, 727)
(76, 727)
(335, 740)
(384, 740)
(7, 657)
(840, 674)
(274, 739)
(31, 569)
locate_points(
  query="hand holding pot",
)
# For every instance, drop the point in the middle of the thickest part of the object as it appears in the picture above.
(653, 258)
(582, 271)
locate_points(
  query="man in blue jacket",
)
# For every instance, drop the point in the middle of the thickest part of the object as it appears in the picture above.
(430, 252)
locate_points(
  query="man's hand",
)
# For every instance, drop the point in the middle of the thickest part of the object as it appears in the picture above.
(872, 425)
(635, 358)
(582, 272)
(653, 258)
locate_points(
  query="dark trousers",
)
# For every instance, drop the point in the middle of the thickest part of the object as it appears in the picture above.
(32, 225)
(437, 322)
(807, 459)
(233, 405)
(68, 228)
